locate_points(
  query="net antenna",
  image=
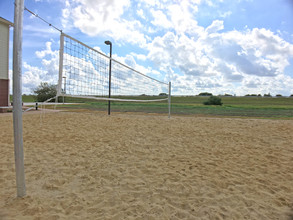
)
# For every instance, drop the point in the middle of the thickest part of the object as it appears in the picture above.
(84, 73)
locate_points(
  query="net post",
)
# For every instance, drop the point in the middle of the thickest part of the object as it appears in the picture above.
(17, 98)
(110, 72)
(61, 50)
(169, 100)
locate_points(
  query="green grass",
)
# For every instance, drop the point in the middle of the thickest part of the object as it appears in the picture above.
(26, 98)
(251, 107)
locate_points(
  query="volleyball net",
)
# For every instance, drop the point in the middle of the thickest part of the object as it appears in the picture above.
(84, 73)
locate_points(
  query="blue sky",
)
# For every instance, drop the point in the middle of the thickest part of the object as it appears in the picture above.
(222, 46)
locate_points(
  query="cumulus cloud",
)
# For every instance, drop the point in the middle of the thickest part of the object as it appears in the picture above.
(139, 56)
(216, 26)
(33, 75)
(47, 51)
(254, 52)
(179, 52)
(182, 17)
(280, 84)
(191, 85)
(140, 13)
(160, 19)
(226, 57)
(104, 18)
(225, 14)
(194, 57)
(129, 60)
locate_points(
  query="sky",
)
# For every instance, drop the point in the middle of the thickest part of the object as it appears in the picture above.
(235, 47)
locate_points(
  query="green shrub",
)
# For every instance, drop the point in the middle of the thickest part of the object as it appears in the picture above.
(45, 91)
(213, 100)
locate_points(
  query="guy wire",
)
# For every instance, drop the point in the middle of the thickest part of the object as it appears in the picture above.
(25, 8)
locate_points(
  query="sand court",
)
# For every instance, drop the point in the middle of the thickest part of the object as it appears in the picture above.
(131, 166)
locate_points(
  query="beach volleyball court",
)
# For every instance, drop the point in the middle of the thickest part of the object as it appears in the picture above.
(132, 166)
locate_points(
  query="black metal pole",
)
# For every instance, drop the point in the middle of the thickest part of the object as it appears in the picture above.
(109, 102)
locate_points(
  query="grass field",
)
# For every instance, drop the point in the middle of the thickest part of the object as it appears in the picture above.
(26, 98)
(257, 107)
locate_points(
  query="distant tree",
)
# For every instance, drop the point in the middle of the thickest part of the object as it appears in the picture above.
(45, 91)
(213, 100)
(278, 95)
(267, 95)
(163, 94)
(259, 95)
(253, 95)
(291, 96)
(228, 94)
(205, 94)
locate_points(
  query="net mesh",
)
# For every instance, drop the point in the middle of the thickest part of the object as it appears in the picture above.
(84, 72)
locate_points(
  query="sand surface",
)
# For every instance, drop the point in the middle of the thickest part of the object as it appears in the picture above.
(129, 166)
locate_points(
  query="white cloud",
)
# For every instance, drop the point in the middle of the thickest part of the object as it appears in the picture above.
(48, 72)
(194, 57)
(160, 19)
(104, 18)
(225, 14)
(31, 77)
(250, 59)
(215, 27)
(182, 17)
(179, 51)
(139, 56)
(280, 84)
(140, 13)
(43, 53)
(254, 52)
(160, 4)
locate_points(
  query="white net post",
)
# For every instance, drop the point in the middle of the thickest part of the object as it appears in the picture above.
(60, 65)
(17, 98)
